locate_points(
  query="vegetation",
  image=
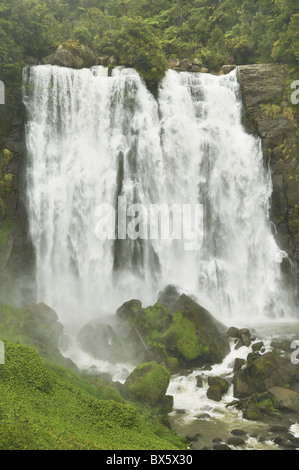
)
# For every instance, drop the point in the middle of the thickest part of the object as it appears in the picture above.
(44, 407)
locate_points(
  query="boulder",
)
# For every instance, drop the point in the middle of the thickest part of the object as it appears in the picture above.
(264, 373)
(235, 441)
(186, 65)
(285, 399)
(195, 335)
(233, 332)
(178, 333)
(71, 55)
(45, 321)
(217, 388)
(100, 341)
(239, 363)
(238, 432)
(256, 347)
(148, 384)
(168, 296)
(63, 58)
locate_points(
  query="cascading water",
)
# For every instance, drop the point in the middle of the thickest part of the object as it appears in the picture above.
(92, 138)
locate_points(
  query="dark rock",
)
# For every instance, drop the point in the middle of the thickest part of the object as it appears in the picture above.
(288, 444)
(238, 432)
(246, 340)
(252, 413)
(217, 388)
(168, 296)
(233, 332)
(283, 345)
(217, 440)
(221, 447)
(199, 381)
(252, 357)
(245, 331)
(269, 114)
(257, 346)
(266, 372)
(203, 416)
(278, 429)
(239, 363)
(235, 441)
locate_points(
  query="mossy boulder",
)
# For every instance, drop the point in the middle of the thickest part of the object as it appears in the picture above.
(148, 384)
(217, 388)
(197, 334)
(37, 326)
(71, 54)
(263, 373)
(179, 329)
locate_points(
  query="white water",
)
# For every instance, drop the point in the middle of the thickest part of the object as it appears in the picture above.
(91, 138)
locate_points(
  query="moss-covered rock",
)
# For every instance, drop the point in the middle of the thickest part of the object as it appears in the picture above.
(217, 388)
(182, 330)
(148, 384)
(262, 374)
(207, 341)
(37, 326)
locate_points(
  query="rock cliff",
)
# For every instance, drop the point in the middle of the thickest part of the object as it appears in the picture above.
(270, 114)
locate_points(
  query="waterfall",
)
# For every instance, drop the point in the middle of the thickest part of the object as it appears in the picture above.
(93, 139)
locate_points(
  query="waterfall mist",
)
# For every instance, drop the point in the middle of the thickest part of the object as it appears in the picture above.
(92, 138)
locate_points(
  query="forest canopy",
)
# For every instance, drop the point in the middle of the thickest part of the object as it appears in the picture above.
(145, 33)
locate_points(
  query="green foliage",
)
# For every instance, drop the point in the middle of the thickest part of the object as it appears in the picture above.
(181, 336)
(47, 408)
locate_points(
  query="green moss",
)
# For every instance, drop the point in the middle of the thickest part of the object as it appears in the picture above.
(172, 364)
(41, 409)
(181, 337)
(148, 383)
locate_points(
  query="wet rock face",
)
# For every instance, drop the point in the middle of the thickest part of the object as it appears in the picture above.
(16, 257)
(270, 115)
(263, 374)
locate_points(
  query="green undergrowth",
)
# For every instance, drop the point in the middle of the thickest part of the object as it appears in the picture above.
(46, 407)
